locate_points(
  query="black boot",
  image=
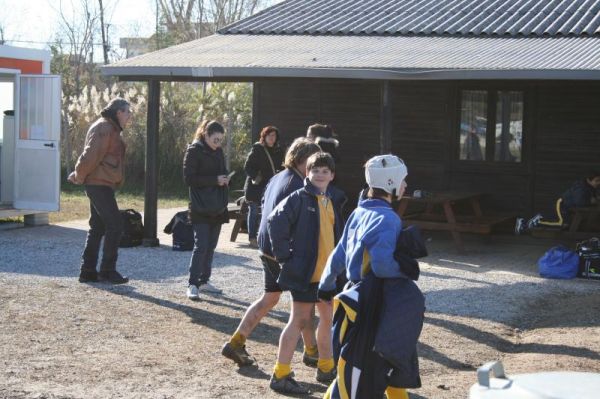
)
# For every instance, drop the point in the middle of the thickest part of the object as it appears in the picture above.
(88, 276)
(113, 277)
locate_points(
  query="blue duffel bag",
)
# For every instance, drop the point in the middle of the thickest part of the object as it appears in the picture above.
(559, 262)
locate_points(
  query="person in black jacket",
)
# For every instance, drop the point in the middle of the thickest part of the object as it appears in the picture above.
(582, 193)
(325, 137)
(264, 160)
(205, 174)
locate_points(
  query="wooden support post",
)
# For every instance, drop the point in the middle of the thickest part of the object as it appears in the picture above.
(151, 192)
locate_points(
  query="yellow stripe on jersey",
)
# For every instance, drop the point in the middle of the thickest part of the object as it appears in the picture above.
(366, 263)
(326, 236)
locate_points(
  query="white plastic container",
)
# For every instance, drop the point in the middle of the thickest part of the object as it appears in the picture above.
(545, 385)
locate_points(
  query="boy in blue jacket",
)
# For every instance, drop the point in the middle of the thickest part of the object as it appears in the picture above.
(303, 229)
(367, 245)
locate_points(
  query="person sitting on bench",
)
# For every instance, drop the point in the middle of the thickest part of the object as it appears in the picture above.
(581, 194)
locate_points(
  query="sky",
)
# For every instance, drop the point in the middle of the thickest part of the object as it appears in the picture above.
(35, 23)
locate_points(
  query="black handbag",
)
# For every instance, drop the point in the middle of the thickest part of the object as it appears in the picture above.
(182, 230)
(133, 228)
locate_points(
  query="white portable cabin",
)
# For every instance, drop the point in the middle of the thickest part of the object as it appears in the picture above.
(29, 135)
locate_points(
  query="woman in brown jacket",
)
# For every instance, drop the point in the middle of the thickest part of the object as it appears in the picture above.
(100, 169)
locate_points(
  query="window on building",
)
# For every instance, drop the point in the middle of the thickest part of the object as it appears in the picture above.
(491, 125)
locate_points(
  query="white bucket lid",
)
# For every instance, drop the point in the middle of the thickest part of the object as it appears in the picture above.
(545, 385)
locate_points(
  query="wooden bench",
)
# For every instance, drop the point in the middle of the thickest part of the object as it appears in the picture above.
(440, 214)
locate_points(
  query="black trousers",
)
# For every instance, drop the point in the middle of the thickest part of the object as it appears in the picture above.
(105, 221)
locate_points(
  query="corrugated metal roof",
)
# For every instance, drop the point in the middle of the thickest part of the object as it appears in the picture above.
(376, 57)
(527, 18)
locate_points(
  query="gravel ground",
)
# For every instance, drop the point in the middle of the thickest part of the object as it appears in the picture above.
(64, 339)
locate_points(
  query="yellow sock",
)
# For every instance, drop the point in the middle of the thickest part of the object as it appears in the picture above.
(396, 393)
(281, 370)
(325, 365)
(311, 350)
(237, 340)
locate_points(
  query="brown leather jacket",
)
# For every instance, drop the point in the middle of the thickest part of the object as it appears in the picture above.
(101, 162)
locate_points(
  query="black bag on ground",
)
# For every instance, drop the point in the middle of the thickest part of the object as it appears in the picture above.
(183, 231)
(133, 228)
(589, 258)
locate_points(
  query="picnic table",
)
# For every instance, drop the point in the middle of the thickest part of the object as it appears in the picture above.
(438, 212)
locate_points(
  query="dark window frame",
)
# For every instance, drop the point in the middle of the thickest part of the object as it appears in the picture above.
(492, 90)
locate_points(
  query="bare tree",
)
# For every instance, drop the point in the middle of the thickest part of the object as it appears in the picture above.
(104, 30)
(177, 16)
(78, 32)
(186, 20)
(225, 12)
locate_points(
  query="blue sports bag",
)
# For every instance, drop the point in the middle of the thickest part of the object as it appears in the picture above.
(559, 262)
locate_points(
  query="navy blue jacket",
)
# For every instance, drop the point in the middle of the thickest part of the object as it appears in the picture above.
(294, 231)
(580, 194)
(378, 336)
(280, 186)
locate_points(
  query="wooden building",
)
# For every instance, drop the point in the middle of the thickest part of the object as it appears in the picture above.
(498, 97)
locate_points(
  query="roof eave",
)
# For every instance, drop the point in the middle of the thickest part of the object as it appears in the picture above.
(220, 73)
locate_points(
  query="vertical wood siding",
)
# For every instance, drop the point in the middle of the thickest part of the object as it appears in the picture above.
(567, 144)
(561, 135)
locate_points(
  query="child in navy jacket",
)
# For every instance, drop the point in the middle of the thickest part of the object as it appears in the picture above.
(304, 229)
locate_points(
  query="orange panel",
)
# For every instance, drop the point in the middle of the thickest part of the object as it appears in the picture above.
(26, 66)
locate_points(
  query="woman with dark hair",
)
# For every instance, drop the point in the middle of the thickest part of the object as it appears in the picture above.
(325, 137)
(205, 173)
(264, 160)
(100, 169)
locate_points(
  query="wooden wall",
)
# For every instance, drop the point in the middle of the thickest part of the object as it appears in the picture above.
(567, 144)
(351, 107)
(561, 134)
(420, 132)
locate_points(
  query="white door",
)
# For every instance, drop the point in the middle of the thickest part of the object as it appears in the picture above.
(37, 155)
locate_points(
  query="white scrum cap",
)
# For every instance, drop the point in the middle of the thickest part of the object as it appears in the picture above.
(386, 172)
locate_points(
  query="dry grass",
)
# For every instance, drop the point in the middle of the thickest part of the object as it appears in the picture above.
(75, 205)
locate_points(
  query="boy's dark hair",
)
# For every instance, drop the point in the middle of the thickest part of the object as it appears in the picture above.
(592, 173)
(377, 193)
(320, 159)
(319, 130)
